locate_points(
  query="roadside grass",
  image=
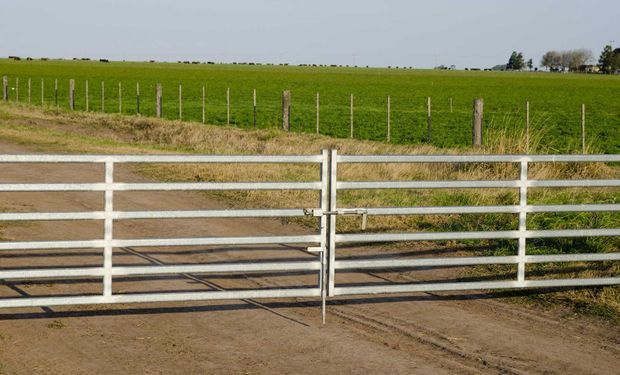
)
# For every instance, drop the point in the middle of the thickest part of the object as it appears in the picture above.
(51, 130)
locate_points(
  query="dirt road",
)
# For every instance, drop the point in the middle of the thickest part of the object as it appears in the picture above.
(403, 334)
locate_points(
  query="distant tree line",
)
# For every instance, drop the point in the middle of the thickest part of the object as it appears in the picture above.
(571, 60)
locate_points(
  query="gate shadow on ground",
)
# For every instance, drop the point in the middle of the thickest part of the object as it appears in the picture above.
(49, 313)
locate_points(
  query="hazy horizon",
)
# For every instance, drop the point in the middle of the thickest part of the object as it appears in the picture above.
(422, 34)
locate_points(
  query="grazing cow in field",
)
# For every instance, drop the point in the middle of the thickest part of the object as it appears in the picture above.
(104, 60)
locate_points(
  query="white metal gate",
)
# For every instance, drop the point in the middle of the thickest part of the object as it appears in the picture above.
(323, 243)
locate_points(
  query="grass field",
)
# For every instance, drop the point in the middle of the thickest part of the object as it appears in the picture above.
(555, 98)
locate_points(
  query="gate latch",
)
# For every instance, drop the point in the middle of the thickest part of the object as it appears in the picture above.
(317, 212)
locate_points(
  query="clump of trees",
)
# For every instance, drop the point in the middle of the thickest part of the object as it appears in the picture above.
(609, 61)
(570, 60)
(516, 61)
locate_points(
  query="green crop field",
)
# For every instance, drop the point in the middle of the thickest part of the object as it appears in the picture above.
(555, 99)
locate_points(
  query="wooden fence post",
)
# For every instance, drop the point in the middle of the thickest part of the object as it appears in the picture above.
(429, 119)
(583, 129)
(72, 94)
(137, 98)
(204, 99)
(180, 102)
(5, 88)
(254, 102)
(228, 106)
(42, 91)
(158, 101)
(318, 111)
(450, 105)
(102, 96)
(86, 95)
(16, 89)
(29, 91)
(527, 127)
(286, 110)
(477, 122)
(351, 116)
(120, 97)
(56, 92)
(389, 109)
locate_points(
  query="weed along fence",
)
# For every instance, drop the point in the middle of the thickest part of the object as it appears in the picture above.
(322, 247)
(393, 122)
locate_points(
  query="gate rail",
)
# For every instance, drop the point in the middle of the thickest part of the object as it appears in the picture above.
(326, 264)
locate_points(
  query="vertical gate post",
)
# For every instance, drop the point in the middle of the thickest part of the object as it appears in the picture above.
(522, 221)
(107, 234)
(324, 204)
(331, 249)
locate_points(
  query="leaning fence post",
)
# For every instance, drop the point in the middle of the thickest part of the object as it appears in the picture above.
(318, 108)
(72, 94)
(429, 119)
(158, 101)
(286, 110)
(583, 129)
(5, 88)
(351, 116)
(388, 119)
(86, 95)
(477, 122)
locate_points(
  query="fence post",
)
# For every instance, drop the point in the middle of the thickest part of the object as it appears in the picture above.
(72, 94)
(158, 101)
(108, 227)
(180, 102)
(5, 88)
(16, 89)
(583, 129)
(204, 94)
(254, 102)
(429, 119)
(120, 97)
(477, 122)
(522, 221)
(102, 96)
(42, 91)
(286, 110)
(86, 96)
(389, 136)
(318, 109)
(450, 105)
(29, 90)
(527, 127)
(228, 106)
(351, 116)
(137, 98)
(56, 91)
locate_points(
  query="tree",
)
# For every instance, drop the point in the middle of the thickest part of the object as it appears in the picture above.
(530, 64)
(552, 60)
(515, 62)
(604, 61)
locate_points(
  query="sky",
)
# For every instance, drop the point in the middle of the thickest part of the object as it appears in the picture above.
(423, 34)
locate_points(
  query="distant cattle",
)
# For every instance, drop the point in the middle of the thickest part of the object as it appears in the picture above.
(104, 60)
